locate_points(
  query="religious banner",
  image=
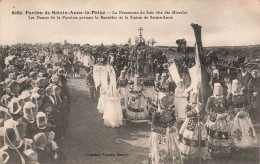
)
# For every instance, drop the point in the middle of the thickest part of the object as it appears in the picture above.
(100, 75)
(112, 75)
(174, 72)
(195, 73)
(87, 61)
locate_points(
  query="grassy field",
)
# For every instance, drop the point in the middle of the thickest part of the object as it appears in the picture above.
(251, 52)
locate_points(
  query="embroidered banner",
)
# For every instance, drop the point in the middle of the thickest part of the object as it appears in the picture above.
(87, 61)
(100, 75)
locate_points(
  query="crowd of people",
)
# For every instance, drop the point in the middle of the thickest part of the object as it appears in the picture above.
(140, 87)
(34, 106)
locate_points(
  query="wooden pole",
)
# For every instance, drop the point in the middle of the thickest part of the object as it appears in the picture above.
(199, 131)
(201, 64)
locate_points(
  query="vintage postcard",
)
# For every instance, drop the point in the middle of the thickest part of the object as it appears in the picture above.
(130, 81)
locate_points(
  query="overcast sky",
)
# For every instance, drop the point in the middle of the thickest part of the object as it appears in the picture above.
(224, 22)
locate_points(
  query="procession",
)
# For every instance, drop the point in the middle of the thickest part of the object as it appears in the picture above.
(197, 107)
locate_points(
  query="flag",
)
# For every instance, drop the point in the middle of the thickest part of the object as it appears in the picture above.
(195, 71)
(174, 72)
(100, 75)
(112, 74)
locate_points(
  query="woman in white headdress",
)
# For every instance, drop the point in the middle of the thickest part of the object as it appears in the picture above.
(163, 145)
(163, 85)
(154, 102)
(102, 99)
(180, 100)
(28, 119)
(188, 134)
(137, 104)
(122, 85)
(36, 99)
(12, 152)
(243, 132)
(218, 124)
(15, 109)
(113, 114)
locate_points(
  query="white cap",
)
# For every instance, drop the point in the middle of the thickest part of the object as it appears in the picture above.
(11, 105)
(216, 85)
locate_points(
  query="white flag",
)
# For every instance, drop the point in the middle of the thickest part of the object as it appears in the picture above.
(174, 72)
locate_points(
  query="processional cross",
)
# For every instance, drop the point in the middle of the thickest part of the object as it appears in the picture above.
(140, 29)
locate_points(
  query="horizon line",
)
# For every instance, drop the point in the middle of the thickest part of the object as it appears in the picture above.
(257, 44)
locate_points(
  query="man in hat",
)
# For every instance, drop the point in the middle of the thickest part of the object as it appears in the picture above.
(155, 66)
(254, 90)
(244, 77)
(13, 89)
(67, 66)
(76, 67)
(44, 155)
(64, 88)
(62, 77)
(216, 78)
(159, 69)
(91, 84)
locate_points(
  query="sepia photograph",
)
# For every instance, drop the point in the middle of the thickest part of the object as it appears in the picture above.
(129, 82)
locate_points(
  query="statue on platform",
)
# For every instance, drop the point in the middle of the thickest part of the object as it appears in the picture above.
(140, 62)
(137, 104)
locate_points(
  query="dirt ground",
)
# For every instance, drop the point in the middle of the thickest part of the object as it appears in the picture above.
(89, 141)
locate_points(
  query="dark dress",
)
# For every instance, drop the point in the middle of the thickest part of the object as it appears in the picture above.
(242, 131)
(163, 147)
(254, 86)
(44, 156)
(244, 79)
(58, 116)
(188, 134)
(14, 156)
(31, 128)
(218, 127)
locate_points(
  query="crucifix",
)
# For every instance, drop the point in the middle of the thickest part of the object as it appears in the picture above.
(140, 29)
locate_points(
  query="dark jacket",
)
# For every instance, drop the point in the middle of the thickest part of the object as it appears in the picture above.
(244, 79)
